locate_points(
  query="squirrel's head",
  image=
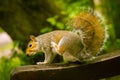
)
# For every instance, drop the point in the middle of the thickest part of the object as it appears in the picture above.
(32, 46)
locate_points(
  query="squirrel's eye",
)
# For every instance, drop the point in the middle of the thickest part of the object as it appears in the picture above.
(30, 45)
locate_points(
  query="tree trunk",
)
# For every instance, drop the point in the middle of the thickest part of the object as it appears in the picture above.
(20, 18)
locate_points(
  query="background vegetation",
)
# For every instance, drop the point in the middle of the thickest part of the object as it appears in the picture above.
(20, 18)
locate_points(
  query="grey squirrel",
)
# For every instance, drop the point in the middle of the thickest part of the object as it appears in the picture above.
(80, 44)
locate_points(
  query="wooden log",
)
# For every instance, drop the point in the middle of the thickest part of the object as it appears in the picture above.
(104, 66)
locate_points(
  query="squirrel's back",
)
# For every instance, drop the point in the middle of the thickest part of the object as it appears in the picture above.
(91, 31)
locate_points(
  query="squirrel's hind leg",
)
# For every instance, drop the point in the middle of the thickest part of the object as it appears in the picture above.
(67, 57)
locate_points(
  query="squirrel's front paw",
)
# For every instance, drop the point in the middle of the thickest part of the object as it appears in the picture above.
(41, 63)
(54, 45)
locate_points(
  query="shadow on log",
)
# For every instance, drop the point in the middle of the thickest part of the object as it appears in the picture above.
(104, 66)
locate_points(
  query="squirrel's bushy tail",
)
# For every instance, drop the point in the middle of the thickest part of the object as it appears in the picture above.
(91, 31)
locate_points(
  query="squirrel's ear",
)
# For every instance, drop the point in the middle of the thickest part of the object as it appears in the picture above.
(32, 37)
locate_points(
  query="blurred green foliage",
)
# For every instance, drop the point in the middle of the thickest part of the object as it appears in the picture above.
(68, 9)
(6, 65)
(1, 30)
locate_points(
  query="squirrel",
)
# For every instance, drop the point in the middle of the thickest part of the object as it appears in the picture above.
(82, 43)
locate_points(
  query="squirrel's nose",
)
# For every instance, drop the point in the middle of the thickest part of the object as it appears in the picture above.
(27, 55)
(27, 52)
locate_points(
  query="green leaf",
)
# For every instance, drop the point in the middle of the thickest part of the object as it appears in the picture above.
(60, 25)
(52, 20)
(46, 29)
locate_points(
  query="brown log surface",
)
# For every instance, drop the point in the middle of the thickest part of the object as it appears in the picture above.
(104, 66)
